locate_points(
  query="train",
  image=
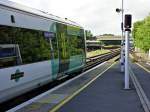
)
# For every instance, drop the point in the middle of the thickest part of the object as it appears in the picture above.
(36, 48)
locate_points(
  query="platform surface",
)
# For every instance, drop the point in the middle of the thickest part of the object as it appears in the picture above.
(106, 94)
(142, 72)
(146, 65)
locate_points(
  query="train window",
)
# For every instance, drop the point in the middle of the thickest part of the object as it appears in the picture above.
(22, 46)
(34, 47)
(54, 47)
(73, 31)
(63, 43)
(51, 38)
(82, 39)
(76, 38)
(9, 55)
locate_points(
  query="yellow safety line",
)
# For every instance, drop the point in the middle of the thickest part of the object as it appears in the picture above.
(143, 67)
(77, 92)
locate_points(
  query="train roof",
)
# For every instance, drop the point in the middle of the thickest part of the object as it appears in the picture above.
(37, 12)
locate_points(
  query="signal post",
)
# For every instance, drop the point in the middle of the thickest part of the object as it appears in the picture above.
(128, 19)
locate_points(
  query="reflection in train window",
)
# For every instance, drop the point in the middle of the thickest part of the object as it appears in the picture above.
(9, 55)
(22, 46)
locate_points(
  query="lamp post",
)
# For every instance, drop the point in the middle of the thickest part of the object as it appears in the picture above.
(122, 37)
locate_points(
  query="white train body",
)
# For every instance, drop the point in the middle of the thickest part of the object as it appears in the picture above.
(34, 75)
(18, 79)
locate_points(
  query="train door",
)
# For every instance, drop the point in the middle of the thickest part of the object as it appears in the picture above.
(51, 37)
(63, 43)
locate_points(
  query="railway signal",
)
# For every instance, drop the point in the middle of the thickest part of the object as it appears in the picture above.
(127, 25)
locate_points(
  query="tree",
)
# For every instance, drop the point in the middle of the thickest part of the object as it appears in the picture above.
(141, 34)
(89, 35)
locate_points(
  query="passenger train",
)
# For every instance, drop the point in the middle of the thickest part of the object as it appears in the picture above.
(36, 48)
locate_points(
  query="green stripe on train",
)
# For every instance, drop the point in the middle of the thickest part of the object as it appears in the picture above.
(55, 68)
(75, 62)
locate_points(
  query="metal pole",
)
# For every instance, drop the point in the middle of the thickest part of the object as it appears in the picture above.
(122, 10)
(122, 20)
(127, 32)
(122, 40)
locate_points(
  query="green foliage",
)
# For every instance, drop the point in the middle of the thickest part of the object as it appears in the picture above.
(89, 35)
(70, 41)
(141, 34)
(32, 44)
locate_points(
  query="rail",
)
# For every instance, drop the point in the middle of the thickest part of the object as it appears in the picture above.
(95, 60)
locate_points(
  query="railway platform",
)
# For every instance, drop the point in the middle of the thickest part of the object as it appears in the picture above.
(100, 89)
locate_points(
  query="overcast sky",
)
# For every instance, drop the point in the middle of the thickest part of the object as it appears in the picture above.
(99, 16)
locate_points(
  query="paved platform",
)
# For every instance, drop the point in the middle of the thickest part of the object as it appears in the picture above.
(97, 90)
(105, 94)
(142, 72)
(145, 65)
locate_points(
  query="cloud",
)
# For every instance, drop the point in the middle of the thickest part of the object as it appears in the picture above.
(138, 8)
(99, 16)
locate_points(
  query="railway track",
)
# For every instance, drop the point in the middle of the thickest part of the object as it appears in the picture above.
(91, 62)
(95, 60)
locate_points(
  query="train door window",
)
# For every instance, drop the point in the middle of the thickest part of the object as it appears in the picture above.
(63, 43)
(81, 41)
(76, 40)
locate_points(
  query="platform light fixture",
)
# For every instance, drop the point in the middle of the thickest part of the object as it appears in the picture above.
(121, 10)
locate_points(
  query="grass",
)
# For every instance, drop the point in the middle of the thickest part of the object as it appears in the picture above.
(96, 52)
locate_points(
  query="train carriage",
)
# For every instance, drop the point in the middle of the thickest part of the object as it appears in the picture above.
(36, 48)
